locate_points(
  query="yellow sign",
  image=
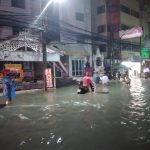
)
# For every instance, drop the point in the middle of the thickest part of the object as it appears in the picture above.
(13, 66)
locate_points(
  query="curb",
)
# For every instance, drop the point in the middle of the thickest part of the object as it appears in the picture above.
(25, 91)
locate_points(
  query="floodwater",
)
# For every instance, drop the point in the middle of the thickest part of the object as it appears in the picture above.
(64, 120)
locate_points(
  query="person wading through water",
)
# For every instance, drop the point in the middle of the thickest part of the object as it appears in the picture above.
(8, 88)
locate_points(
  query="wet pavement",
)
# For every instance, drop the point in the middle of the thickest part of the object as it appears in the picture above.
(64, 120)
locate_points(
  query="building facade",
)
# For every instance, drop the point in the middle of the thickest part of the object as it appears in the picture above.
(21, 37)
(68, 27)
(108, 18)
(75, 33)
(79, 28)
(15, 15)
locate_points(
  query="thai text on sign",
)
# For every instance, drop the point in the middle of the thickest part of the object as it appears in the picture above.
(13, 66)
(48, 74)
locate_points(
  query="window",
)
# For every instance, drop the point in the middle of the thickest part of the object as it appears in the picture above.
(125, 9)
(101, 9)
(101, 29)
(79, 16)
(109, 28)
(134, 13)
(78, 67)
(124, 27)
(18, 3)
(113, 8)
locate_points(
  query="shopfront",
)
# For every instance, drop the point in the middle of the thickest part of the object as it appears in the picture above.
(24, 59)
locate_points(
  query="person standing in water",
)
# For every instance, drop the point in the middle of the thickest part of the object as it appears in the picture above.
(96, 81)
(8, 88)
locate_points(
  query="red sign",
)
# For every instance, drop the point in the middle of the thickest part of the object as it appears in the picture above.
(131, 33)
(48, 74)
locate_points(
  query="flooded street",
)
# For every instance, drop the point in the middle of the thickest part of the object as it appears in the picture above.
(64, 120)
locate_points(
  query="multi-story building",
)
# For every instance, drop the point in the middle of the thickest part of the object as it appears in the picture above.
(77, 27)
(68, 27)
(75, 33)
(15, 15)
(24, 50)
(108, 18)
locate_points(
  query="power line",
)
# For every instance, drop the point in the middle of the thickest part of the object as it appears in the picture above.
(94, 35)
(66, 30)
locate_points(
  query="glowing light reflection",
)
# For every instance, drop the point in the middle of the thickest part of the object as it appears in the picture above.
(43, 11)
(138, 102)
(45, 8)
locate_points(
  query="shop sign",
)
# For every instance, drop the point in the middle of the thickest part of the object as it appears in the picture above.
(131, 33)
(48, 74)
(13, 66)
(144, 53)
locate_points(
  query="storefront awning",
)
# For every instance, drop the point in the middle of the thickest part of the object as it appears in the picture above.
(73, 49)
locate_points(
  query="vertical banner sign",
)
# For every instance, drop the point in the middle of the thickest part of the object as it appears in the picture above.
(48, 74)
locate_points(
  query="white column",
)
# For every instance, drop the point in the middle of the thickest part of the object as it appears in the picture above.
(54, 74)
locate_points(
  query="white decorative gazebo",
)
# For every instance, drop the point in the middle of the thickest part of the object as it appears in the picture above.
(26, 47)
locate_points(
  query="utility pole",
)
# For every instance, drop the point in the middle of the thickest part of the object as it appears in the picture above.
(141, 5)
(43, 40)
(44, 58)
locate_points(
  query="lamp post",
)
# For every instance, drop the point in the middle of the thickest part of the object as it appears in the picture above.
(43, 36)
(43, 40)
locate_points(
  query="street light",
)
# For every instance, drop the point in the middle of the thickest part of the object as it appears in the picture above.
(43, 36)
(59, 1)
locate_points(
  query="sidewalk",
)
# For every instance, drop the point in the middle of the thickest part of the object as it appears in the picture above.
(34, 87)
(25, 91)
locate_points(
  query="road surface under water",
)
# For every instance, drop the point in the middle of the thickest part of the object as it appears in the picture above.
(64, 120)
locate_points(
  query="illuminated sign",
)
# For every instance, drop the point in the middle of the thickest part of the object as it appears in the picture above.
(131, 33)
(13, 66)
(48, 74)
(144, 53)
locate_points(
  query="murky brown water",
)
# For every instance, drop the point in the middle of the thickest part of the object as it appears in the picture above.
(64, 120)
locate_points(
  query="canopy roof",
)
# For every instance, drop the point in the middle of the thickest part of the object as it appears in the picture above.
(75, 49)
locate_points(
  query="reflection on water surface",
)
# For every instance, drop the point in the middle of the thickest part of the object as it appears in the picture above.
(64, 120)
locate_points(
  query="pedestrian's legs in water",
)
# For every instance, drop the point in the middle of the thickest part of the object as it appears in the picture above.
(8, 102)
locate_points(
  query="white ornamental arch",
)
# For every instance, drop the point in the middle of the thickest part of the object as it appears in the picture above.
(24, 39)
(10, 50)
